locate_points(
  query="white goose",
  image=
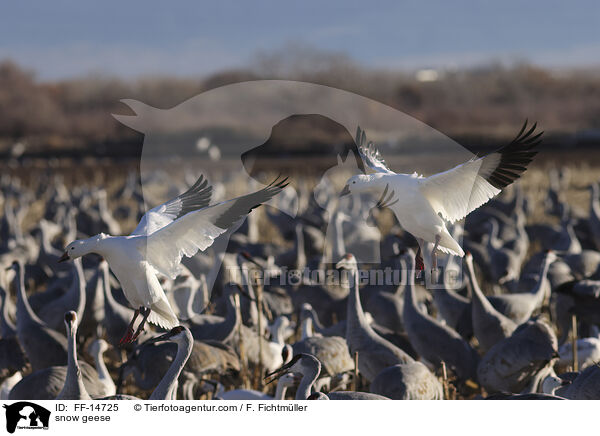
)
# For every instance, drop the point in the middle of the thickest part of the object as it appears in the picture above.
(166, 233)
(422, 205)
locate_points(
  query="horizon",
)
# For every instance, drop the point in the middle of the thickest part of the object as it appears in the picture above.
(65, 40)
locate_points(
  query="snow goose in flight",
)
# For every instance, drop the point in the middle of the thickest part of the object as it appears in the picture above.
(166, 233)
(424, 204)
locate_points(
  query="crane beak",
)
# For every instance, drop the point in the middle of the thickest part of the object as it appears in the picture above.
(64, 257)
(160, 338)
(272, 376)
(345, 191)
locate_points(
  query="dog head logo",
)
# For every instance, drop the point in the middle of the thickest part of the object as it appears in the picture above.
(26, 415)
(241, 136)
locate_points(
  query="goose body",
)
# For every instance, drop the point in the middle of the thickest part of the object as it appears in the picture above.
(423, 205)
(180, 227)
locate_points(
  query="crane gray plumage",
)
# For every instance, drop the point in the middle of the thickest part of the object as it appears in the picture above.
(586, 298)
(12, 356)
(116, 316)
(167, 388)
(435, 342)
(375, 353)
(408, 381)
(520, 306)
(47, 383)
(97, 349)
(212, 327)
(489, 325)
(310, 368)
(73, 389)
(151, 360)
(454, 309)
(331, 351)
(513, 364)
(53, 312)
(594, 219)
(93, 313)
(586, 386)
(43, 346)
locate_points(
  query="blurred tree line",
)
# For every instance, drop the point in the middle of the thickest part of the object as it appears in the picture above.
(491, 100)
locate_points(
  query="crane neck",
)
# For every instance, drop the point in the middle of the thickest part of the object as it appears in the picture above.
(7, 328)
(189, 305)
(307, 328)
(409, 291)
(24, 311)
(478, 295)
(77, 287)
(106, 285)
(74, 387)
(300, 250)
(166, 387)
(354, 314)
(246, 282)
(232, 320)
(309, 376)
(103, 373)
(543, 280)
(280, 390)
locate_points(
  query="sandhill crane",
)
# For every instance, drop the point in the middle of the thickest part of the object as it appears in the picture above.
(408, 381)
(489, 325)
(73, 388)
(520, 306)
(517, 362)
(586, 386)
(310, 368)
(97, 349)
(76, 381)
(150, 361)
(286, 381)
(12, 357)
(43, 346)
(218, 328)
(74, 299)
(167, 388)
(375, 353)
(594, 220)
(434, 341)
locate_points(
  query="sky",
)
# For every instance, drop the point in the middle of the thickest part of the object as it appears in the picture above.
(69, 38)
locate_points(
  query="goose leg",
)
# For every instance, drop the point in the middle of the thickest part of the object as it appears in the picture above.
(419, 258)
(433, 255)
(126, 339)
(145, 313)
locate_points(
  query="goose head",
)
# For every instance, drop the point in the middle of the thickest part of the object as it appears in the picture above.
(356, 184)
(81, 247)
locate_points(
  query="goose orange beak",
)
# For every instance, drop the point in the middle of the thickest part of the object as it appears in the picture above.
(64, 257)
(345, 191)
